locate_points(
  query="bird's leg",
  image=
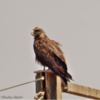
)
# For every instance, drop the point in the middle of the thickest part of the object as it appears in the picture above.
(44, 68)
(48, 69)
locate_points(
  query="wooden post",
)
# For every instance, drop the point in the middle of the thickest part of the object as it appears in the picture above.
(39, 84)
(51, 85)
(82, 91)
(53, 89)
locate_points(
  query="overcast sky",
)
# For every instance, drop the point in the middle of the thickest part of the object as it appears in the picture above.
(75, 24)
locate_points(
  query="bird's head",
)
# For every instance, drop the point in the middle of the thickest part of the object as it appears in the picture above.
(38, 32)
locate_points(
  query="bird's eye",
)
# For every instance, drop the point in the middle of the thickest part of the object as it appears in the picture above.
(36, 31)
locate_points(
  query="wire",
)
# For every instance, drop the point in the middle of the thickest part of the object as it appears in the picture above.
(42, 78)
(41, 93)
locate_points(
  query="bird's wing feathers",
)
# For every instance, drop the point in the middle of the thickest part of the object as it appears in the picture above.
(52, 47)
(50, 55)
(56, 43)
(58, 52)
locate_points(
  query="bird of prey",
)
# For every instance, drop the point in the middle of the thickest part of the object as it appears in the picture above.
(48, 53)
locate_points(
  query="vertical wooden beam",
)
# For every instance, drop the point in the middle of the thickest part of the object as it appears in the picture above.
(39, 84)
(53, 86)
(40, 88)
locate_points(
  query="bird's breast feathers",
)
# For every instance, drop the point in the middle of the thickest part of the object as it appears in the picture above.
(48, 47)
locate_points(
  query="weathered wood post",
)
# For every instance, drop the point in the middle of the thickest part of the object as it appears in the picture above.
(53, 89)
(51, 85)
(83, 91)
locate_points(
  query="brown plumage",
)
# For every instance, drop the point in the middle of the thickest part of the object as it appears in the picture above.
(49, 54)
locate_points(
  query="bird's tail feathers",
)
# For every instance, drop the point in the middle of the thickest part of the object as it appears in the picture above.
(69, 76)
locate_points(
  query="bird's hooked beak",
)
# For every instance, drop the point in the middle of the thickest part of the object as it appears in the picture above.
(32, 33)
